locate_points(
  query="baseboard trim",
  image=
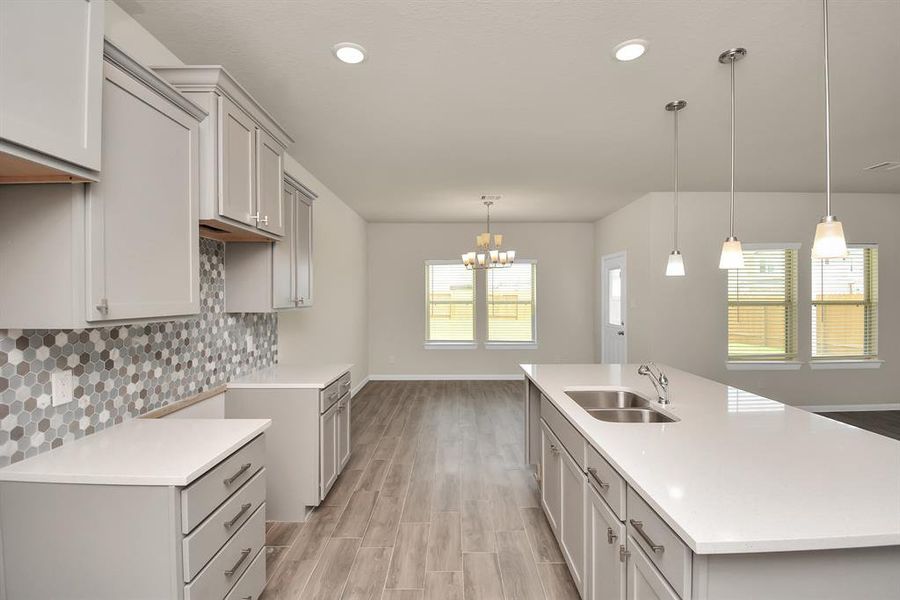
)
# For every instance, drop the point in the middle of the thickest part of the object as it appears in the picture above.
(820, 408)
(354, 391)
(454, 377)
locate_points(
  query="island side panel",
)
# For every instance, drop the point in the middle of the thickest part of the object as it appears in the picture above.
(532, 424)
(292, 445)
(858, 573)
(60, 540)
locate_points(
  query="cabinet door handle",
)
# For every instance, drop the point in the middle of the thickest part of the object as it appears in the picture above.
(593, 473)
(610, 536)
(263, 220)
(623, 553)
(237, 517)
(240, 472)
(103, 307)
(639, 527)
(244, 554)
(554, 449)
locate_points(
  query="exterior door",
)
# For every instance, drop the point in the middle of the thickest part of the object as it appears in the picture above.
(605, 571)
(283, 251)
(551, 492)
(237, 153)
(613, 308)
(269, 186)
(572, 526)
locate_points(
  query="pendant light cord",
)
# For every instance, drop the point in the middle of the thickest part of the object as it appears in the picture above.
(827, 116)
(732, 149)
(675, 178)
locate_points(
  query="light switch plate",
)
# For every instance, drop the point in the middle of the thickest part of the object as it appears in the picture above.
(61, 387)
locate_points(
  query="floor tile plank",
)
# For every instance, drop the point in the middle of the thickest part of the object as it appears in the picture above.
(367, 576)
(446, 585)
(407, 570)
(444, 544)
(517, 566)
(481, 577)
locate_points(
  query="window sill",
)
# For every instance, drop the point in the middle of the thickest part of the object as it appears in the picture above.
(450, 345)
(510, 345)
(763, 365)
(864, 363)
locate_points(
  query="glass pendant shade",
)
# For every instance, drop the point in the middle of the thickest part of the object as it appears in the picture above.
(675, 266)
(829, 242)
(732, 256)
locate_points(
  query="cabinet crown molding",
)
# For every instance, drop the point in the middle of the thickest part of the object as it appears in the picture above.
(293, 182)
(115, 55)
(215, 78)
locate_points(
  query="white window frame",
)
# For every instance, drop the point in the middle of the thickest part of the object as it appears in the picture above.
(450, 344)
(529, 345)
(828, 363)
(767, 364)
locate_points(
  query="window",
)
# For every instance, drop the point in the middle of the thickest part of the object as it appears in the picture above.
(762, 304)
(845, 305)
(510, 304)
(614, 301)
(450, 303)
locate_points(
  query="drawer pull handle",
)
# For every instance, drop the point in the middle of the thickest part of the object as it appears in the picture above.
(333, 396)
(345, 385)
(610, 536)
(593, 473)
(240, 472)
(639, 527)
(237, 517)
(244, 554)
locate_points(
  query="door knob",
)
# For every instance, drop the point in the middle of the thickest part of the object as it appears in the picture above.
(620, 333)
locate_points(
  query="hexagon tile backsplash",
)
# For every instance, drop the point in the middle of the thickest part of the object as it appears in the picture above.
(125, 371)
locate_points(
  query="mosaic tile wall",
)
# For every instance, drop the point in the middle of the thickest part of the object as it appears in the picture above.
(121, 372)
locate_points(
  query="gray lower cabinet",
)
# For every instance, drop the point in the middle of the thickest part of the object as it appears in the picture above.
(644, 581)
(551, 473)
(123, 249)
(50, 76)
(307, 445)
(606, 550)
(204, 541)
(264, 277)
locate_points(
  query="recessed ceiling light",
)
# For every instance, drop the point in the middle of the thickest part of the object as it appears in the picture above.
(349, 53)
(631, 49)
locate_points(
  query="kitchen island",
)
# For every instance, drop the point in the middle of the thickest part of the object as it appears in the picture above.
(738, 496)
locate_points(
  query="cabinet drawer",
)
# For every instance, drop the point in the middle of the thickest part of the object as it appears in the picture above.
(567, 434)
(212, 534)
(334, 392)
(204, 495)
(606, 482)
(672, 557)
(252, 582)
(227, 566)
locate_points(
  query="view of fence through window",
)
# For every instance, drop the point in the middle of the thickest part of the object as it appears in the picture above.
(510, 301)
(845, 305)
(450, 303)
(762, 305)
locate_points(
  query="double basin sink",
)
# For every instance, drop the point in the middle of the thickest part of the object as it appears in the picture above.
(618, 406)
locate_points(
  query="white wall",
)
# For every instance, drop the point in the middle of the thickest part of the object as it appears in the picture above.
(565, 299)
(334, 328)
(683, 321)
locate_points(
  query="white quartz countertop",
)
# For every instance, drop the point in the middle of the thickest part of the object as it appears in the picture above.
(738, 472)
(292, 376)
(140, 452)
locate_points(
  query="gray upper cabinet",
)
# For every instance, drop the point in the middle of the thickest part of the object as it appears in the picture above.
(51, 55)
(264, 277)
(241, 156)
(125, 249)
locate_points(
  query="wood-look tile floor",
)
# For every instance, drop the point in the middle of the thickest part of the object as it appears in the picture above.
(435, 503)
(884, 422)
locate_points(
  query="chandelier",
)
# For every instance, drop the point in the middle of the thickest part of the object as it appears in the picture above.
(488, 253)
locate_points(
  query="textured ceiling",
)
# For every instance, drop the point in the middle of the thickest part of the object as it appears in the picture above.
(524, 98)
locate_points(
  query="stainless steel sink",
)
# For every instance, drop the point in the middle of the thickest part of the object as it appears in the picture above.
(630, 415)
(596, 399)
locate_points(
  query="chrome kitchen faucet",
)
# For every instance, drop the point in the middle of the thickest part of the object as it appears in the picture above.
(659, 380)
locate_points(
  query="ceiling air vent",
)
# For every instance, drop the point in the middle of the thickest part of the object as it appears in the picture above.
(888, 165)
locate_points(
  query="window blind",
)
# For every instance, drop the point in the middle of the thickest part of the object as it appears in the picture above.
(762, 305)
(450, 303)
(511, 303)
(845, 305)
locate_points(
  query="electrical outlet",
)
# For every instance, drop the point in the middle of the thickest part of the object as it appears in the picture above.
(61, 387)
(251, 344)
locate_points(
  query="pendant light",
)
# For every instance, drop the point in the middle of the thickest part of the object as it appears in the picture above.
(829, 241)
(489, 252)
(732, 254)
(675, 266)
